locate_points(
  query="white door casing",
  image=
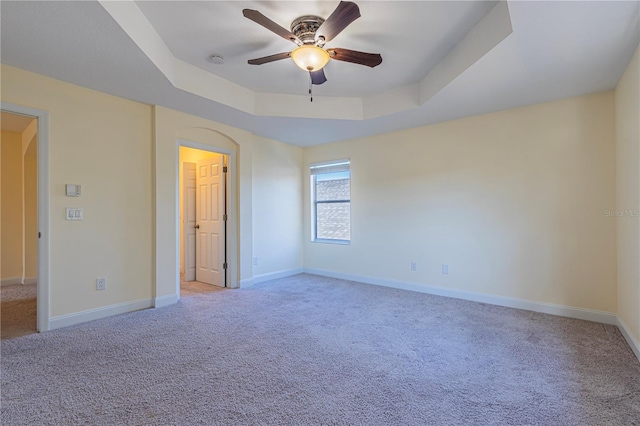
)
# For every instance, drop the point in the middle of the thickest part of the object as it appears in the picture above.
(210, 195)
(189, 220)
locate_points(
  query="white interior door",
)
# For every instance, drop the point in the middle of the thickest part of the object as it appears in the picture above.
(189, 219)
(209, 221)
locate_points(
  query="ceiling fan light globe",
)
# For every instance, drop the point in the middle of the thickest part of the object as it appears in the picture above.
(310, 58)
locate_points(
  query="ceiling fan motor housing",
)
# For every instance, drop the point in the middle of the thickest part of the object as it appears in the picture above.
(305, 28)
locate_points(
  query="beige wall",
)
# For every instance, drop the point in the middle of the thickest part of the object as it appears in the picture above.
(512, 201)
(29, 135)
(277, 207)
(31, 211)
(19, 214)
(103, 143)
(12, 219)
(627, 106)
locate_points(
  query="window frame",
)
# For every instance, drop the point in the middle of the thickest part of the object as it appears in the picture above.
(316, 169)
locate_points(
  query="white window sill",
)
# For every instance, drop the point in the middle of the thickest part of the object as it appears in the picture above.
(338, 242)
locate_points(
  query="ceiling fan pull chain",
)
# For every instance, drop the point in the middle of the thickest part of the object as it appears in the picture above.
(310, 88)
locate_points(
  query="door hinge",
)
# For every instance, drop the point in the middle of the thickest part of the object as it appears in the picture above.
(224, 217)
(39, 234)
(224, 169)
(224, 265)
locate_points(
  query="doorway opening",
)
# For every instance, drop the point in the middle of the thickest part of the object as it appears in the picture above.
(24, 292)
(203, 187)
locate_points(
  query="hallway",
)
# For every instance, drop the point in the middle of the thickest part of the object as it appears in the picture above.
(17, 310)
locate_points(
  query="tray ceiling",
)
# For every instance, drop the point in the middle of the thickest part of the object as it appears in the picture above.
(552, 50)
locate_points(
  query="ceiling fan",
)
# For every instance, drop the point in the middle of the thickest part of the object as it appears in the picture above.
(310, 33)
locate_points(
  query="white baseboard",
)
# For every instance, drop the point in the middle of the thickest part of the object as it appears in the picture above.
(509, 302)
(98, 313)
(247, 282)
(635, 345)
(162, 301)
(270, 276)
(10, 281)
(18, 280)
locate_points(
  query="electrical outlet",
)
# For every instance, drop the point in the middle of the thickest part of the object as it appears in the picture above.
(414, 266)
(255, 260)
(101, 283)
(445, 269)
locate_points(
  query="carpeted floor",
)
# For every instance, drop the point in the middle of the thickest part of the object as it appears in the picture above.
(308, 350)
(17, 310)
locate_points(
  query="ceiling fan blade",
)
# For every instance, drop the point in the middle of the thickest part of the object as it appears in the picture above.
(353, 56)
(318, 77)
(259, 18)
(270, 58)
(345, 13)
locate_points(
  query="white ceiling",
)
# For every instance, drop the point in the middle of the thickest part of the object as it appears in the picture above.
(412, 37)
(556, 50)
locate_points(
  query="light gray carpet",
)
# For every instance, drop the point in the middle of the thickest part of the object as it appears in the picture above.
(17, 310)
(308, 350)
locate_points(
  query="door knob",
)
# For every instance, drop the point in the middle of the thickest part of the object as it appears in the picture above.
(197, 226)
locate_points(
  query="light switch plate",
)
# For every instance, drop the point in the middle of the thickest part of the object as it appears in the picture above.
(74, 213)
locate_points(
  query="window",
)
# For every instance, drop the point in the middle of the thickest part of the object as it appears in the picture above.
(331, 198)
